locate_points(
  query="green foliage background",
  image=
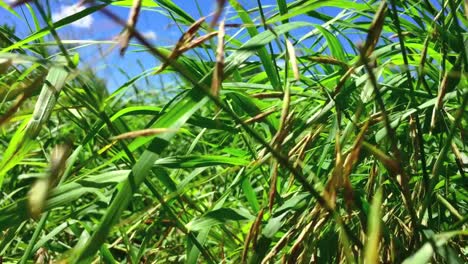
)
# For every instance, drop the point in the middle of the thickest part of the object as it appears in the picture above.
(357, 154)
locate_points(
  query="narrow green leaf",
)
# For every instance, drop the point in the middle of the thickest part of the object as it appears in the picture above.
(194, 161)
(216, 217)
(265, 58)
(373, 230)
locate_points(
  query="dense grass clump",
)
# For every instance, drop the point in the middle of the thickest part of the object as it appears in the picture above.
(281, 132)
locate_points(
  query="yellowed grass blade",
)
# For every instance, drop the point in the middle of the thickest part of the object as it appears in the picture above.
(197, 42)
(329, 60)
(273, 183)
(186, 42)
(252, 235)
(375, 30)
(260, 116)
(131, 23)
(143, 133)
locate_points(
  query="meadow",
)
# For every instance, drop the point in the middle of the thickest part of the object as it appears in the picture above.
(302, 131)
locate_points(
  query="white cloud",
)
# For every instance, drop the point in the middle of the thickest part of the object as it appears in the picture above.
(150, 35)
(66, 11)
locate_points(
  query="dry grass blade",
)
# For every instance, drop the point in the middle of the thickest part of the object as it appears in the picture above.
(260, 116)
(252, 235)
(219, 67)
(188, 36)
(219, 9)
(302, 146)
(190, 33)
(273, 185)
(186, 42)
(144, 133)
(449, 77)
(353, 156)
(343, 80)
(125, 37)
(197, 42)
(285, 119)
(394, 165)
(348, 164)
(298, 247)
(279, 245)
(42, 256)
(131, 24)
(375, 30)
(19, 2)
(329, 60)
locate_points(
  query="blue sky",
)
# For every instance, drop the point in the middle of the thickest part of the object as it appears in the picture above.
(158, 28)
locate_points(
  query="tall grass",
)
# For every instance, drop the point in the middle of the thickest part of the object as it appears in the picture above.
(291, 135)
